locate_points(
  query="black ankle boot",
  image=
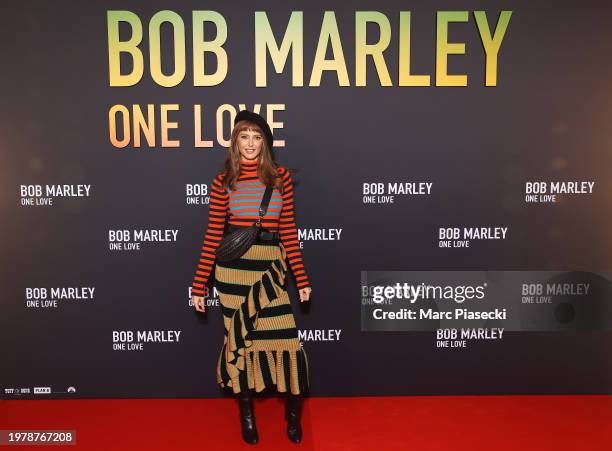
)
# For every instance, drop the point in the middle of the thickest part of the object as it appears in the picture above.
(293, 405)
(247, 418)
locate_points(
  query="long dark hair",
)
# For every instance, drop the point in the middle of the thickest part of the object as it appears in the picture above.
(267, 169)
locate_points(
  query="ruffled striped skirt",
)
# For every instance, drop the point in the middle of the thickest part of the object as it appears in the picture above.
(261, 348)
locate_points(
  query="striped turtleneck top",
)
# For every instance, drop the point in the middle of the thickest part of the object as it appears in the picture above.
(242, 206)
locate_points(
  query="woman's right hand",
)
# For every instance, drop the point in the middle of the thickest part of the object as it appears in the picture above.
(198, 303)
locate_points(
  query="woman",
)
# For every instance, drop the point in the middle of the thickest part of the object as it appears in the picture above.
(261, 348)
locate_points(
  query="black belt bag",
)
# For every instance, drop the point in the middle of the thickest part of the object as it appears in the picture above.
(236, 243)
(264, 234)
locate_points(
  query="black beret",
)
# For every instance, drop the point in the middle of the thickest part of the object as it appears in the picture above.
(256, 118)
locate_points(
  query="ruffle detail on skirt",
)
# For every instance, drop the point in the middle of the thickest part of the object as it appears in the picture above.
(244, 320)
(286, 369)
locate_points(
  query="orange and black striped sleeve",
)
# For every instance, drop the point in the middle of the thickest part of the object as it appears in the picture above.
(217, 211)
(289, 234)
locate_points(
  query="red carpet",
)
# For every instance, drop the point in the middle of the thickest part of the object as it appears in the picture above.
(418, 423)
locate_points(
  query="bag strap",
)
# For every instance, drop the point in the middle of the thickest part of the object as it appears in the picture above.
(264, 204)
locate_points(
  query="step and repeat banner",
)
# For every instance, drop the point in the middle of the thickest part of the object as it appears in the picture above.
(453, 191)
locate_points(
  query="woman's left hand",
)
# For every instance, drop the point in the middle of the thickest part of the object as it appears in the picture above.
(305, 294)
